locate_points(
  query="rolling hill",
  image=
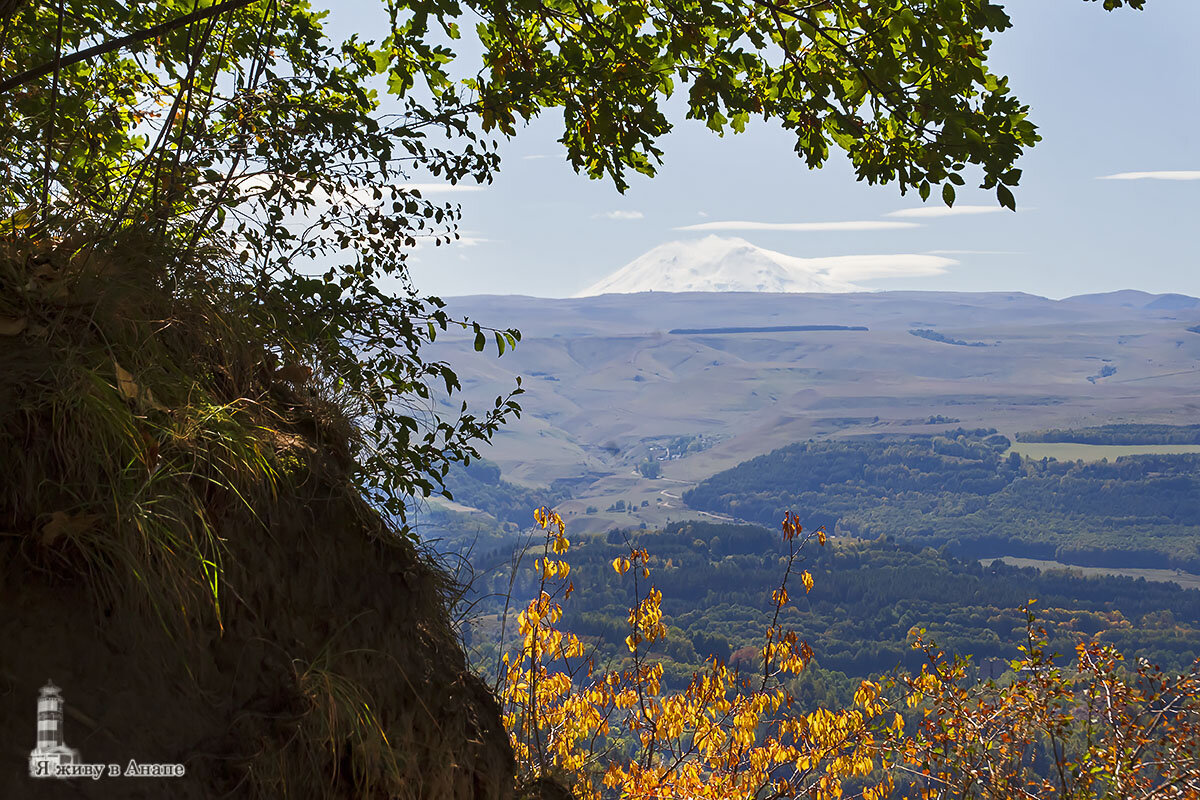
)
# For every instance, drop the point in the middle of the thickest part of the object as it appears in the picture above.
(608, 384)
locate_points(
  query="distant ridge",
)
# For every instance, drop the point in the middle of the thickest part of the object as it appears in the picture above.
(1133, 298)
(621, 380)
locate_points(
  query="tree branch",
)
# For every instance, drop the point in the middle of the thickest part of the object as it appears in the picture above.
(28, 75)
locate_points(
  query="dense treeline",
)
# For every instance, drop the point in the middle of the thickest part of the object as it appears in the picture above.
(717, 581)
(506, 510)
(935, 336)
(459, 533)
(963, 491)
(480, 486)
(1118, 435)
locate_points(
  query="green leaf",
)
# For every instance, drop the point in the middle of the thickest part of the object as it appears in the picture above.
(480, 341)
(1006, 197)
(948, 194)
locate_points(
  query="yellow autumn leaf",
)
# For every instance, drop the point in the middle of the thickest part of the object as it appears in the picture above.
(807, 579)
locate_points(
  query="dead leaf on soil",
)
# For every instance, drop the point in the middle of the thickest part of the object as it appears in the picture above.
(131, 390)
(44, 272)
(57, 290)
(11, 327)
(63, 524)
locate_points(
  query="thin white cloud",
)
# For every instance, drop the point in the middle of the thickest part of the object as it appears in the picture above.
(930, 212)
(848, 225)
(535, 157)
(621, 215)
(1162, 175)
(465, 239)
(893, 265)
(974, 252)
(440, 188)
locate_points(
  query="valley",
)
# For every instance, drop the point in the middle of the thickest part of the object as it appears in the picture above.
(966, 452)
(608, 386)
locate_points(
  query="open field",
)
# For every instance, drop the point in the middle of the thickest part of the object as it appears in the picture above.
(1066, 451)
(1186, 580)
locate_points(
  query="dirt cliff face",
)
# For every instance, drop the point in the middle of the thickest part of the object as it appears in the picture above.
(182, 552)
(331, 641)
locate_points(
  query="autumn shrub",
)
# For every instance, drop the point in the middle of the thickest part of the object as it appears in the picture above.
(1095, 729)
(729, 734)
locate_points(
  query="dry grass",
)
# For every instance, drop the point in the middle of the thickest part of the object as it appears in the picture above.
(133, 417)
(156, 454)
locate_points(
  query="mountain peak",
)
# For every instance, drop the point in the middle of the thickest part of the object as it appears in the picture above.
(731, 264)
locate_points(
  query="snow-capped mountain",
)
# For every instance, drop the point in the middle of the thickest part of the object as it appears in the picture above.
(719, 264)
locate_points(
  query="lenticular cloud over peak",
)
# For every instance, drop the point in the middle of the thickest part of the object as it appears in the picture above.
(731, 264)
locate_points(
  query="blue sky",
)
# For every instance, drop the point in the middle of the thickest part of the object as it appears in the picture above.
(1113, 94)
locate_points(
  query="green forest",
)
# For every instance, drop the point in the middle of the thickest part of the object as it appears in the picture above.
(717, 581)
(479, 485)
(962, 491)
(1118, 434)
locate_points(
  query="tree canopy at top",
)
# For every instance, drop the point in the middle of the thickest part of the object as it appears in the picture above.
(241, 127)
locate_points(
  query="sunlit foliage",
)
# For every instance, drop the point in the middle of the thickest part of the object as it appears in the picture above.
(728, 734)
(1095, 729)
